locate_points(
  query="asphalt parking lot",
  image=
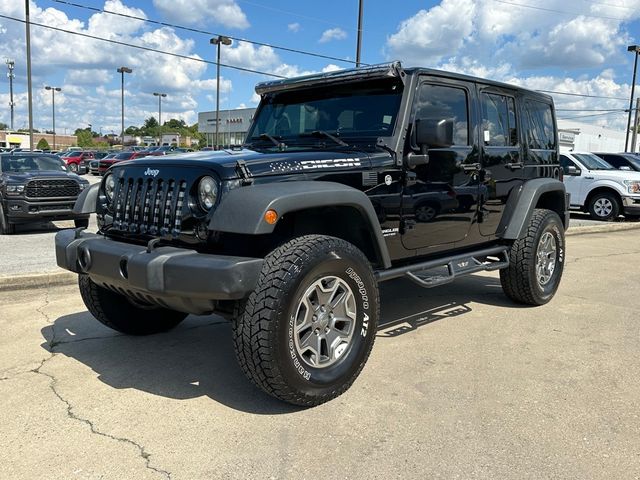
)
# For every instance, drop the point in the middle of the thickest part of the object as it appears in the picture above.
(461, 383)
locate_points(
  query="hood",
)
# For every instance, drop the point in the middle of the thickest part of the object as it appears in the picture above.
(24, 177)
(616, 175)
(258, 163)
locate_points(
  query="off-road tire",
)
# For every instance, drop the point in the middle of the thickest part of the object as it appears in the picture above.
(604, 197)
(263, 329)
(81, 223)
(520, 281)
(118, 313)
(6, 228)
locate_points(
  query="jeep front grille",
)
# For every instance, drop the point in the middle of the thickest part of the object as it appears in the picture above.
(43, 188)
(151, 206)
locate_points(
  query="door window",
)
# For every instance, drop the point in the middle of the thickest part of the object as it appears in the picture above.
(499, 120)
(441, 101)
(541, 134)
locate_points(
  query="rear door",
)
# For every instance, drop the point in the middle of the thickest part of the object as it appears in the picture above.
(502, 162)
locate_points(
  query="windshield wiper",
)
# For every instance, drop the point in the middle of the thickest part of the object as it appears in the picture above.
(272, 139)
(322, 133)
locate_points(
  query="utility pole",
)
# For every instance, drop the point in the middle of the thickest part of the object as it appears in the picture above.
(122, 71)
(160, 97)
(636, 125)
(359, 44)
(11, 65)
(53, 103)
(27, 24)
(636, 51)
(217, 41)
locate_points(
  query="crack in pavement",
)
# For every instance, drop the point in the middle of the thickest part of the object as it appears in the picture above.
(588, 257)
(70, 414)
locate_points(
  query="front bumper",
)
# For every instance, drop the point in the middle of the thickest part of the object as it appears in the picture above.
(176, 278)
(23, 211)
(631, 205)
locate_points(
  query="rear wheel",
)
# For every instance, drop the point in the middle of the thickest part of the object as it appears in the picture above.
(6, 228)
(119, 313)
(306, 331)
(604, 206)
(536, 260)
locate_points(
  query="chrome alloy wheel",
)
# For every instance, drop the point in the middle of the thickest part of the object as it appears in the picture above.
(603, 207)
(546, 256)
(324, 322)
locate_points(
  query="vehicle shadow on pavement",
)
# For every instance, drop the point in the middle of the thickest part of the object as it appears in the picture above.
(406, 306)
(195, 359)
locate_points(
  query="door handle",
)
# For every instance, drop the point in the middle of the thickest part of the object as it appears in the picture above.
(470, 167)
(514, 165)
(589, 178)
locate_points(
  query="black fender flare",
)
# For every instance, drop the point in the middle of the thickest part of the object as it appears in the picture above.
(524, 199)
(242, 210)
(87, 201)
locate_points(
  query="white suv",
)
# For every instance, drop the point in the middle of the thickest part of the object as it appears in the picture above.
(598, 188)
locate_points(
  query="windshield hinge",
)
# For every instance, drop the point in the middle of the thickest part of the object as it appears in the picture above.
(243, 172)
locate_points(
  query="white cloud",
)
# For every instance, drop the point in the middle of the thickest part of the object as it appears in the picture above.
(202, 12)
(331, 68)
(333, 34)
(433, 34)
(294, 27)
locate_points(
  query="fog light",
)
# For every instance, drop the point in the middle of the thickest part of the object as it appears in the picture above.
(14, 208)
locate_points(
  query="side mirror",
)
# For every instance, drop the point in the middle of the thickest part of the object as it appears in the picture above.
(573, 171)
(434, 132)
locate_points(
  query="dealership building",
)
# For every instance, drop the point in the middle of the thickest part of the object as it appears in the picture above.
(232, 129)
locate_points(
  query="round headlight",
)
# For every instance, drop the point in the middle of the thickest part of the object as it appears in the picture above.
(207, 193)
(109, 186)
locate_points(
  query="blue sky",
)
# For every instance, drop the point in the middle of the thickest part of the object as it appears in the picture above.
(574, 46)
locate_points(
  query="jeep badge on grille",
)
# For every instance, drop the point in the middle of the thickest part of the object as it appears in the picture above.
(153, 173)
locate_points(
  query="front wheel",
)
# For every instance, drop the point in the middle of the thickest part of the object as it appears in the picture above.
(307, 329)
(73, 167)
(123, 315)
(6, 228)
(536, 260)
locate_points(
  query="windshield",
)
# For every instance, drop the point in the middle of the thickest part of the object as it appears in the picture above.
(348, 111)
(633, 160)
(593, 162)
(32, 163)
(124, 156)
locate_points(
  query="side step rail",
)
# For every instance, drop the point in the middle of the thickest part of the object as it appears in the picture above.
(488, 259)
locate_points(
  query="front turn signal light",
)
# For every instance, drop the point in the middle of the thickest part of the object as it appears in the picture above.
(271, 217)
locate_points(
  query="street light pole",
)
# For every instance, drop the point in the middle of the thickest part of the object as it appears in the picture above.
(122, 71)
(11, 65)
(217, 41)
(636, 50)
(27, 24)
(359, 43)
(53, 105)
(160, 97)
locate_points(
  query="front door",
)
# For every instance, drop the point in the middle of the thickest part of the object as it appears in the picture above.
(439, 200)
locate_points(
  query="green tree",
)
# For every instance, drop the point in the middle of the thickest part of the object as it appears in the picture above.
(85, 138)
(175, 124)
(4, 126)
(132, 130)
(43, 144)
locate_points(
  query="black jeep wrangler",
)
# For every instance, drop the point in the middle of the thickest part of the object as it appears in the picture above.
(346, 179)
(36, 187)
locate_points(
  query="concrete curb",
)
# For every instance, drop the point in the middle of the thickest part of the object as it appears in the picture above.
(604, 228)
(43, 280)
(37, 280)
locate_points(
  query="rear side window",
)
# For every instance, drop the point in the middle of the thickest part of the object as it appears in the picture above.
(541, 132)
(440, 101)
(499, 120)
